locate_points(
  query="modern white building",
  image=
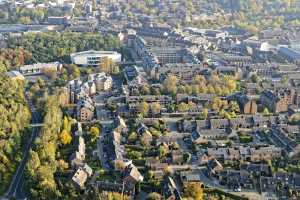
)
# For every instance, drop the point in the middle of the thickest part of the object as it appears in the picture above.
(94, 58)
(39, 68)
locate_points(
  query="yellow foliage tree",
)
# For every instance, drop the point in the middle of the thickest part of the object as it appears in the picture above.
(65, 137)
(94, 131)
(193, 190)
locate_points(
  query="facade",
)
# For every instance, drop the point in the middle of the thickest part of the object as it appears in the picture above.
(94, 58)
(39, 68)
(85, 109)
(274, 103)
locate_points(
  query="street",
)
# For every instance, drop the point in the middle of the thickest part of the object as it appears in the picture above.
(16, 187)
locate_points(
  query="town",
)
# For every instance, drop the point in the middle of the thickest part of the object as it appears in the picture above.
(117, 100)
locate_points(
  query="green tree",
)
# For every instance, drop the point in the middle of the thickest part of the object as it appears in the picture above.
(266, 112)
(95, 132)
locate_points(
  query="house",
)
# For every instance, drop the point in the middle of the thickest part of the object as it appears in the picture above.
(214, 167)
(144, 134)
(132, 175)
(190, 176)
(265, 153)
(85, 109)
(219, 123)
(154, 164)
(281, 139)
(120, 125)
(241, 122)
(244, 153)
(201, 136)
(170, 189)
(78, 156)
(236, 179)
(257, 169)
(177, 157)
(81, 175)
(102, 81)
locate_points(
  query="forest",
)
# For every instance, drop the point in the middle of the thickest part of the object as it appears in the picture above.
(52, 46)
(14, 118)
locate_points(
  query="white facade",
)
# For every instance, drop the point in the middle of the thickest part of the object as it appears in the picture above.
(93, 58)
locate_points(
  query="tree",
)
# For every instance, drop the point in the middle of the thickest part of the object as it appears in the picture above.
(170, 84)
(106, 65)
(65, 137)
(234, 106)
(167, 170)
(153, 196)
(132, 137)
(230, 83)
(204, 113)
(25, 20)
(183, 107)
(143, 108)
(95, 132)
(33, 162)
(145, 90)
(200, 80)
(193, 190)
(266, 112)
(155, 108)
(162, 151)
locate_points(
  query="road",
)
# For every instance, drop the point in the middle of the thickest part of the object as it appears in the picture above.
(16, 187)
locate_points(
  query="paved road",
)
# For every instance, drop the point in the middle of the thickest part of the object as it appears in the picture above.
(16, 187)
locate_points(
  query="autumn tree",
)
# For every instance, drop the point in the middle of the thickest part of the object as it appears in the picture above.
(153, 196)
(183, 107)
(193, 190)
(155, 108)
(95, 132)
(170, 84)
(65, 137)
(204, 113)
(143, 108)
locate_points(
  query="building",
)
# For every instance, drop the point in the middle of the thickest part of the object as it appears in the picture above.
(102, 81)
(247, 105)
(132, 175)
(289, 54)
(273, 102)
(54, 20)
(78, 156)
(81, 175)
(39, 68)
(203, 136)
(94, 58)
(15, 75)
(85, 109)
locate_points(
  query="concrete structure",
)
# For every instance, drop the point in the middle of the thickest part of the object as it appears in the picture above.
(39, 68)
(94, 58)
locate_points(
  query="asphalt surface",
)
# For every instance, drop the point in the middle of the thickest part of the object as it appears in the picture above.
(16, 187)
